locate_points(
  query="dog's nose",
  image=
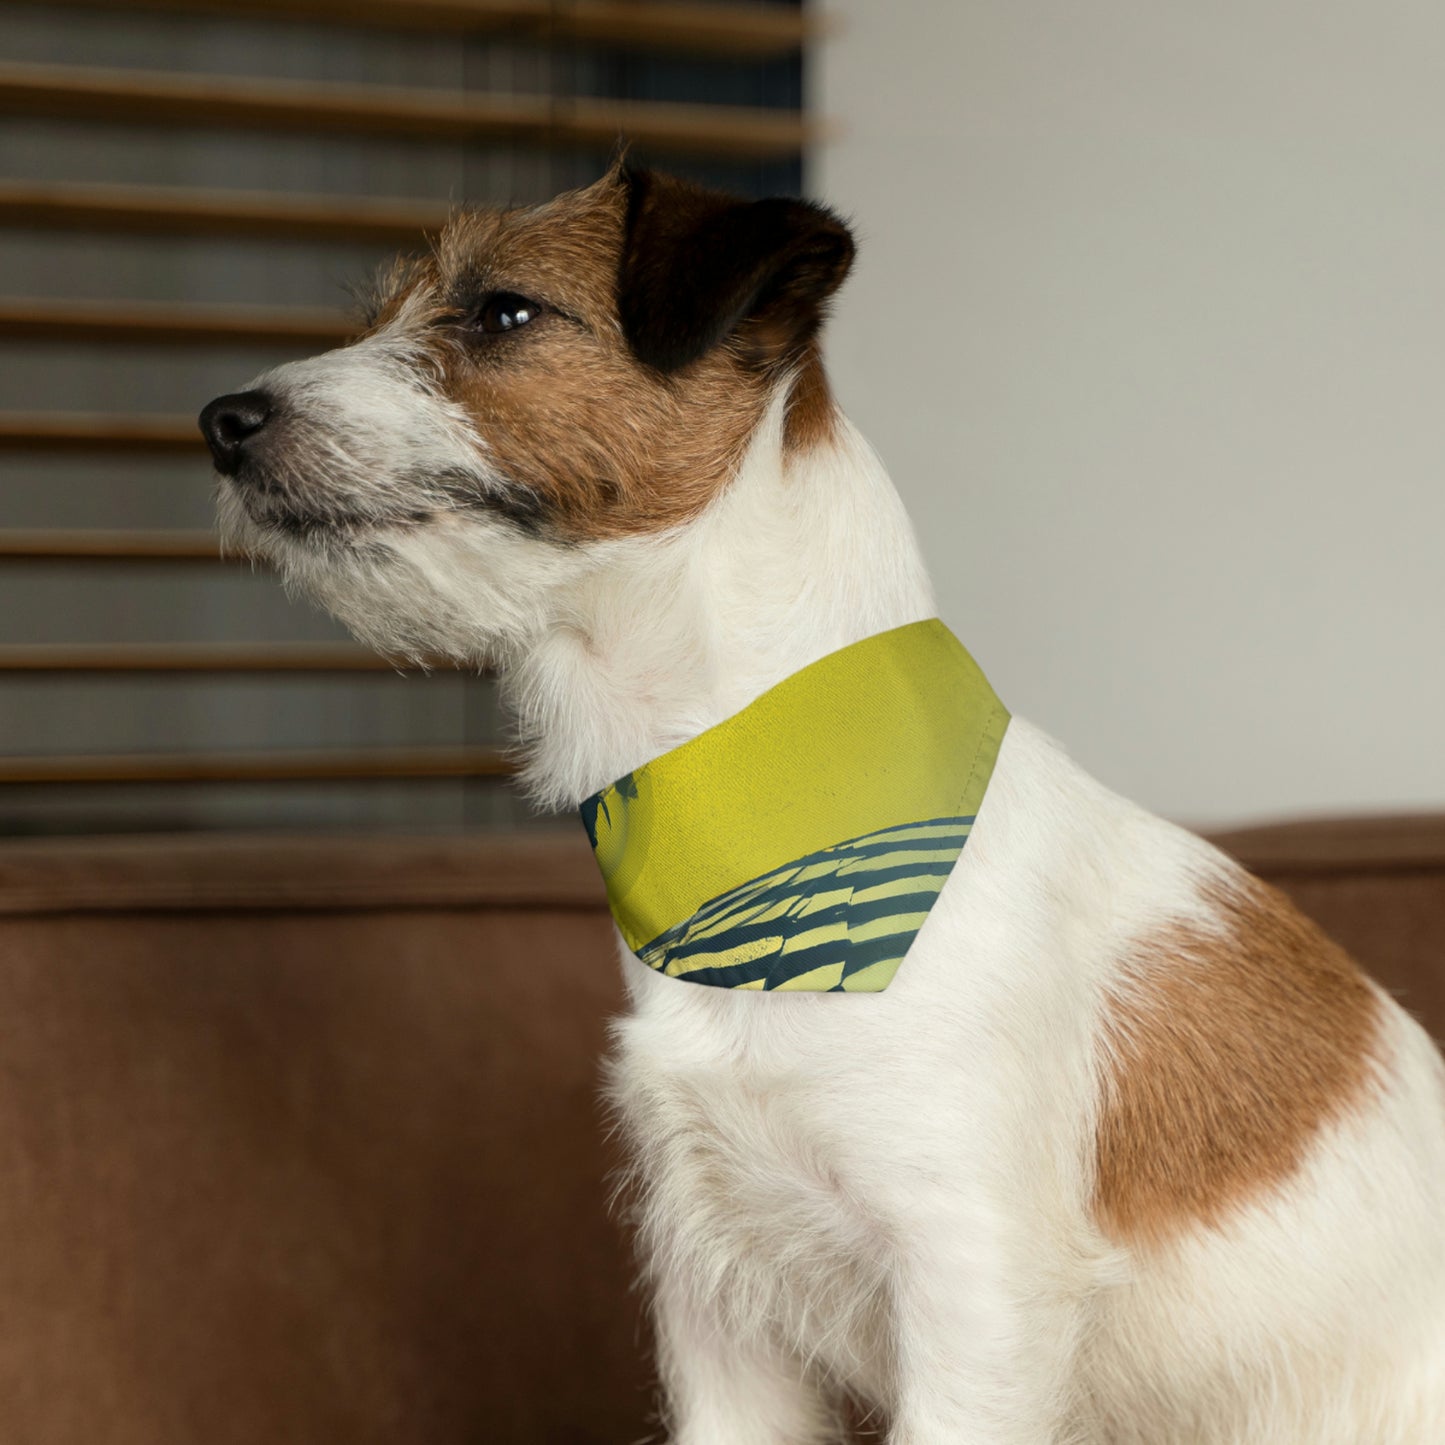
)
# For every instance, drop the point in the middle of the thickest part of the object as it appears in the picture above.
(229, 422)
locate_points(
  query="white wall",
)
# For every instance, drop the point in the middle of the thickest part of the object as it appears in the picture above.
(1149, 324)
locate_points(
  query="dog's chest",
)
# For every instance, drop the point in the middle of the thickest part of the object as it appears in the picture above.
(748, 1162)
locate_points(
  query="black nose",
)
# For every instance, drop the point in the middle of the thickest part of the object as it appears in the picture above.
(229, 422)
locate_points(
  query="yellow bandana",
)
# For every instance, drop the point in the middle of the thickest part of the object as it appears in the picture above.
(801, 843)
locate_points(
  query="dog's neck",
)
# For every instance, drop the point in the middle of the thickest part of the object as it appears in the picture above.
(803, 554)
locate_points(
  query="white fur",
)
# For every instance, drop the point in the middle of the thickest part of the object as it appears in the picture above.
(890, 1194)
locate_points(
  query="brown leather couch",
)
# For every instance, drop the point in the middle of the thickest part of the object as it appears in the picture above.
(300, 1142)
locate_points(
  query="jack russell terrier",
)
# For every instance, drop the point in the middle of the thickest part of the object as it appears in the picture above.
(1111, 1146)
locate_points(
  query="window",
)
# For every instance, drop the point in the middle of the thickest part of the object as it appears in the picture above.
(188, 192)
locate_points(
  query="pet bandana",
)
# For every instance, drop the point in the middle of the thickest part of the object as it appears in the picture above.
(800, 843)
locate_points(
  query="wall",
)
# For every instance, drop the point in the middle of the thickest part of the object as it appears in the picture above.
(1149, 324)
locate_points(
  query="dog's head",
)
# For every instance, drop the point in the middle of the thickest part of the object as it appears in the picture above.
(546, 383)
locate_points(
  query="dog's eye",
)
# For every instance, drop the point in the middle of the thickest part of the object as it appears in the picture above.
(505, 311)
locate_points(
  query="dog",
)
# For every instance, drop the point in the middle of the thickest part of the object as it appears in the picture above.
(1127, 1152)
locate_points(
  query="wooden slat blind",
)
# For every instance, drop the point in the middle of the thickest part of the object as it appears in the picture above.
(92, 431)
(69, 659)
(749, 31)
(340, 765)
(167, 210)
(562, 119)
(108, 546)
(173, 323)
(320, 107)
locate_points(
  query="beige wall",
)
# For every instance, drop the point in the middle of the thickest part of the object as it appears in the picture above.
(1149, 324)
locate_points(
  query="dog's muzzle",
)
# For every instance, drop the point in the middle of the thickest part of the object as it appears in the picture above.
(231, 424)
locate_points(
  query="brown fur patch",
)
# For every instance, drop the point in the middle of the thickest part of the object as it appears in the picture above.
(1228, 1052)
(812, 413)
(595, 443)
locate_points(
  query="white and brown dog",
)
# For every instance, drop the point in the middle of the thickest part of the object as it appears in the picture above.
(1129, 1152)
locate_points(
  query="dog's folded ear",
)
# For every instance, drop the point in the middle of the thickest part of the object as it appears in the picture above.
(699, 267)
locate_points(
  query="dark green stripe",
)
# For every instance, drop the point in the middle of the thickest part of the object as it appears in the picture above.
(789, 921)
(854, 914)
(750, 903)
(735, 919)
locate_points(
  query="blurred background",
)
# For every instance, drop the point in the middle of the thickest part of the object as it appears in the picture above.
(1149, 324)
(301, 1008)
(190, 193)
(1146, 323)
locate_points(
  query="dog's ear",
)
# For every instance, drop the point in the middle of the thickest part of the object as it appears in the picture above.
(699, 266)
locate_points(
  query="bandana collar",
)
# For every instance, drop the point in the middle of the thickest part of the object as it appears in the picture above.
(801, 843)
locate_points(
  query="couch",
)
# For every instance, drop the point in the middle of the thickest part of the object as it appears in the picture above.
(300, 1140)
